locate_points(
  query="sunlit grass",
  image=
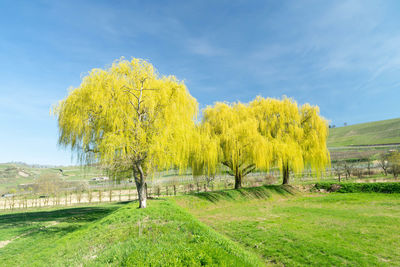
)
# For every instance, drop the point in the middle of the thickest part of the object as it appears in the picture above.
(319, 230)
(161, 235)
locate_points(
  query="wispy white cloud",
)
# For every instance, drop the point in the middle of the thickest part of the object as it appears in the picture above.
(203, 47)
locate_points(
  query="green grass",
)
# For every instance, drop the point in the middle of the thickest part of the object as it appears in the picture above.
(318, 230)
(371, 133)
(268, 225)
(161, 235)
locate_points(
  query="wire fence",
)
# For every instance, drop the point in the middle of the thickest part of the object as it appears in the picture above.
(157, 187)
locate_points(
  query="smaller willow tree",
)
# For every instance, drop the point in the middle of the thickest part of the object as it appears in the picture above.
(262, 134)
(229, 136)
(298, 134)
(127, 117)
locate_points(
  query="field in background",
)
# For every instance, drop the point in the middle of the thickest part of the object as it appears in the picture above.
(371, 133)
(19, 175)
(173, 184)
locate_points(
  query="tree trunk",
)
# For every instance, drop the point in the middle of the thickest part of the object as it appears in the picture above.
(141, 186)
(238, 181)
(285, 173)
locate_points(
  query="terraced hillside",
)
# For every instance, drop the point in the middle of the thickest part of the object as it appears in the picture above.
(370, 133)
(14, 174)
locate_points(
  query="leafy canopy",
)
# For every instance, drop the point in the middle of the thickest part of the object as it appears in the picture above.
(128, 114)
(232, 139)
(262, 134)
(298, 134)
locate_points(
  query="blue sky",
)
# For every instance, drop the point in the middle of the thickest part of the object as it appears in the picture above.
(343, 56)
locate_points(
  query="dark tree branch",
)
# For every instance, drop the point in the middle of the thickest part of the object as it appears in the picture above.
(248, 169)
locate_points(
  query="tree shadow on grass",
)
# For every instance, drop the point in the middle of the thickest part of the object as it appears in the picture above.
(246, 193)
(81, 214)
(49, 232)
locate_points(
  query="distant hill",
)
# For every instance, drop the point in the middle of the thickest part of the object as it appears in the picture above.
(17, 173)
(370, 133)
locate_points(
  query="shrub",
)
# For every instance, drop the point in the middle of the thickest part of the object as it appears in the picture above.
(360, 187)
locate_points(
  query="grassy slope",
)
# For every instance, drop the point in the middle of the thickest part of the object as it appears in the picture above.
(321, 230)
(379, 132)
(275, 224)
(161, 235)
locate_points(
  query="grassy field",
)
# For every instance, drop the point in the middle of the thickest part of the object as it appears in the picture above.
(161, 235)
(270, 225)
(297, 230)
(371, 133)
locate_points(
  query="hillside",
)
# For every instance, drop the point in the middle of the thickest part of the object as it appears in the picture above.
(268, 225)
(14, 174)
(116, 235)
(370, 133)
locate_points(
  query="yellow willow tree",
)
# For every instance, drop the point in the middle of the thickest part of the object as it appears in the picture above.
(127, 117)
(298, 134)
(229, 136)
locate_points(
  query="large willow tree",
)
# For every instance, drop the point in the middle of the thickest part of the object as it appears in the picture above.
(127, 117)
(298, 134)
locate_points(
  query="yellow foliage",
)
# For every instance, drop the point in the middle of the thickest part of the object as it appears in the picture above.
(231, 137)
(299, 134)
(127, 114)
(261, 134)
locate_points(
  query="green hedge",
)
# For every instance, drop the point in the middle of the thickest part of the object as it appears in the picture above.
(361, 187)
